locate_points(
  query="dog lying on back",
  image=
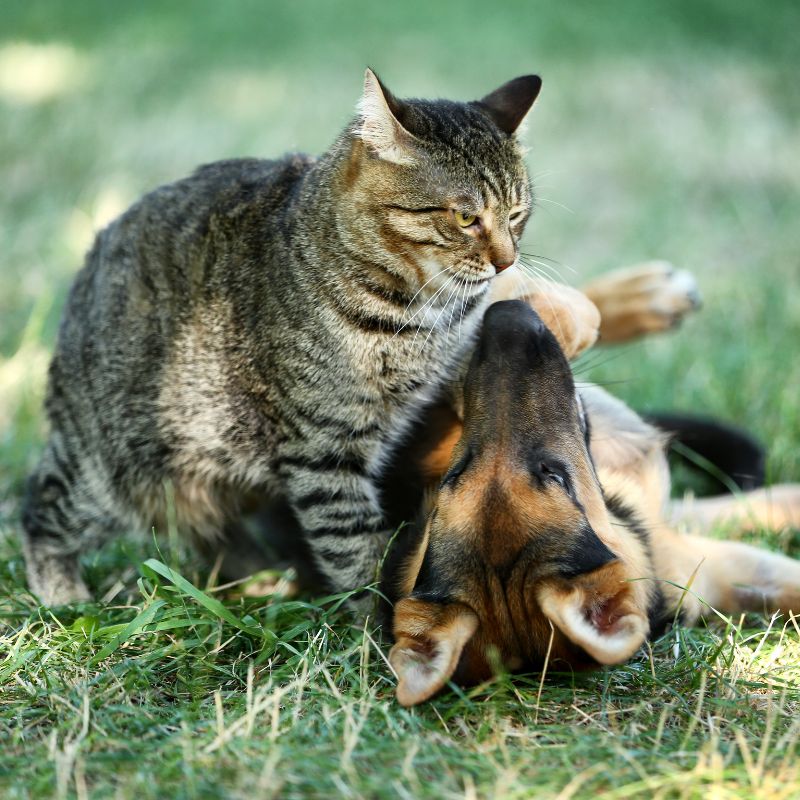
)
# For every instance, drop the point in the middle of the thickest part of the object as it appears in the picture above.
(548, 536)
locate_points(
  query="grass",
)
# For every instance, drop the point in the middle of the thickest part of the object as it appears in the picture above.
(662, 131)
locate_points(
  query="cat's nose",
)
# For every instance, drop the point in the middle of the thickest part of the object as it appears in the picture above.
(500, 264)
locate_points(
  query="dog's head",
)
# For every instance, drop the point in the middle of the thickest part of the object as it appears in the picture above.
(519, 556)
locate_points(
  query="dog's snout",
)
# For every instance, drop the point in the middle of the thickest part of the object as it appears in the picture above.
(512, 326)
(510, 316)
(537, 327)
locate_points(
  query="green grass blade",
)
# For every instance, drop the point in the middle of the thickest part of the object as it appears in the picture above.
(209, 603)
(144, 617)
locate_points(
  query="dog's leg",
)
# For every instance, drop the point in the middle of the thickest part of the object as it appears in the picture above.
(644, 299)
(773, 508)
(731, 577)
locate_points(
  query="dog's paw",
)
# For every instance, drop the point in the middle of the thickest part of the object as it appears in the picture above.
(569, 314)
(647, 298)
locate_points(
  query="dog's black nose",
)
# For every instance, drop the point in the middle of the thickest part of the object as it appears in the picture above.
(513, 333)
(514, 317)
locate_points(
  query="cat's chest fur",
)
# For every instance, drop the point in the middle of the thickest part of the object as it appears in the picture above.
(393, 376)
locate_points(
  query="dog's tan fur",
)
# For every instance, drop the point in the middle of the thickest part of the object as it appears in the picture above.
(727, 575)
(494, 614)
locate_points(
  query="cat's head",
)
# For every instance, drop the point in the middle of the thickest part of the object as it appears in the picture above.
(520, 559)
(440, 184)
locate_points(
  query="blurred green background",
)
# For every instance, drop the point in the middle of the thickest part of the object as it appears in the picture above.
(663, 130)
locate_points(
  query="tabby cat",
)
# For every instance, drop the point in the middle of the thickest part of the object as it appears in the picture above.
(274, 327)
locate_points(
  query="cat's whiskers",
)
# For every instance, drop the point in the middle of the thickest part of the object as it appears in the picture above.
(453, 282)
(411, 302)
(529, 267)
(554, 202)
(546, 269)
(429, 305)
(537, 176)
(555, 265)
(425, 308)
(541, 267)
(458, 308)
(463, 310)
(522, 289)
(444, 308)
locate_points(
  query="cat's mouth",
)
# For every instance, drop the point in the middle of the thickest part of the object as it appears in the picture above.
(471, 275)
(473, 280)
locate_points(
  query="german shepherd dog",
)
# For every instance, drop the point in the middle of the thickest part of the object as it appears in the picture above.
(549, 537)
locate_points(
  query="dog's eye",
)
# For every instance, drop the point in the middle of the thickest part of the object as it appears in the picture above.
(554, 475)
(455, 472)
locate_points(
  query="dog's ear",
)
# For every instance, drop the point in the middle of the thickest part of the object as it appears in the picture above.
(429, 640)
(597, 611)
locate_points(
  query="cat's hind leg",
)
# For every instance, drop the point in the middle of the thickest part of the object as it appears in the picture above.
(68, 509)
(568, 313)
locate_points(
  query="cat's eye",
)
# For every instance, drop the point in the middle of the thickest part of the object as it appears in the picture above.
(464, 220)
(516, 215)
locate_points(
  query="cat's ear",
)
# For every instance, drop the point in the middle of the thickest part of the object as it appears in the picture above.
(378, 125)
(509, 104)
(429, 640)
(599, 611)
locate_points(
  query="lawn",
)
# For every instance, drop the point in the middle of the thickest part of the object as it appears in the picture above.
(663, 130)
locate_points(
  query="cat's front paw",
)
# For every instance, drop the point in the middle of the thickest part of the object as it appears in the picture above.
(647, 298)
